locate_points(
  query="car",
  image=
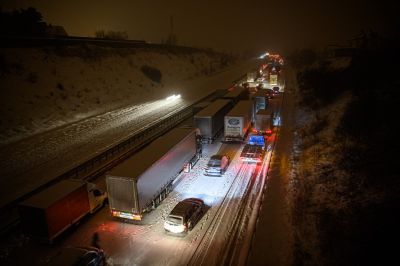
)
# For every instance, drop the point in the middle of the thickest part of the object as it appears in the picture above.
(276, 90)
(217, 165)
(260, 86)
(269, 93)
(184, 216)
(79, 256)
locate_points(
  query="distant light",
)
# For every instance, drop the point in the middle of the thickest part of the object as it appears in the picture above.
(264, 55)
(173, 97)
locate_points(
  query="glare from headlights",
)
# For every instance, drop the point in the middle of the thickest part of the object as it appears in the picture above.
(173, 97)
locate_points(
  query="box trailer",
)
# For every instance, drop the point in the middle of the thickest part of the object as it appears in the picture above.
(210, 120)
(200, 106)
(274, 106)
(236, 94)
(260, 100)
(264, 121)
(251, 76)
(141, 182)
(238, 121)
(48, 213)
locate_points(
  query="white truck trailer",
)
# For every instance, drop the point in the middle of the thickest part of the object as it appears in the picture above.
(141, 182)
(210, 120)
(238, 121)
(264, 121)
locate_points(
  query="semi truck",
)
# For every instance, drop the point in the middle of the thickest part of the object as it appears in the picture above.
(274, 106)
(260, 99)
(236, 94)
(238, 121)
(210, 120)
(264, 121)
(50, 212)
(273, 79)
(141, 182)
(254, 150)
(251, 76)
(200, 106)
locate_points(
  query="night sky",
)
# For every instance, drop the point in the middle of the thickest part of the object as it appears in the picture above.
(224, 25)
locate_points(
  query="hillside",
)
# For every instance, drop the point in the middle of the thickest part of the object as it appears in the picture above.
(44, 88)
(345, 188)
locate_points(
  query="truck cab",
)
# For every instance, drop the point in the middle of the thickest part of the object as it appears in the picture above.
(97, 197)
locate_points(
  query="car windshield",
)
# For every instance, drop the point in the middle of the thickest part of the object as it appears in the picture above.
(175, 219)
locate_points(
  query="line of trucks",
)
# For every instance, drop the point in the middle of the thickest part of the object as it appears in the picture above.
(134, 187)
(141, 182)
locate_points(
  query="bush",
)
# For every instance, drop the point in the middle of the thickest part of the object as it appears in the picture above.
(152, 73)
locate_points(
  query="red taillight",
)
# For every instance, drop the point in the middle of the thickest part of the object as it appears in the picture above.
(269, 131)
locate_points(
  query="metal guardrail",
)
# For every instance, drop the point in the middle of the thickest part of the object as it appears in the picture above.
(103, 162)
(106, 160)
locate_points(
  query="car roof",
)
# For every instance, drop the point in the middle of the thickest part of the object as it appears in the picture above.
(183, 206)
(194, 200)
(69, 256)
(217, 156)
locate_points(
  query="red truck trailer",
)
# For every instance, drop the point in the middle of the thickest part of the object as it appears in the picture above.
(47, 214)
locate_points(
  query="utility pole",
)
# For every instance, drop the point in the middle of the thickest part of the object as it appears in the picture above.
(171, 40)
(171, 23)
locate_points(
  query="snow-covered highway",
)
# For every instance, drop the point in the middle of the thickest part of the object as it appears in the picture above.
(33, 162)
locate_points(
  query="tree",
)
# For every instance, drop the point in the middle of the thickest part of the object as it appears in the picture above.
(26, 22)
(115, 35)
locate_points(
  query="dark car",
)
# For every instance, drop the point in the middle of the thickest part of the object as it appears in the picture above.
(276, 90)
(217, 165)
(269, 93)
(79, 256)
(184, 216)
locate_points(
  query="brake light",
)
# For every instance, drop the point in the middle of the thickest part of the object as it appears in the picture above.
(269, 131)
(126, 215)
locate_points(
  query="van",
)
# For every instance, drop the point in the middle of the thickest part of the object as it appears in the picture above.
(217, 165)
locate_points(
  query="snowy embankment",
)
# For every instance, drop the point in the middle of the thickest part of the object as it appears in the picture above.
(344, 188)
(316, 177)
(45, 88)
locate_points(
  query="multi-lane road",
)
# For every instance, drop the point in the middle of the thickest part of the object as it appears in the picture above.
(221, 236)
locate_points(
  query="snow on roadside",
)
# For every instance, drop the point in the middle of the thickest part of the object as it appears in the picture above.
(41, 89)
(314, 178)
